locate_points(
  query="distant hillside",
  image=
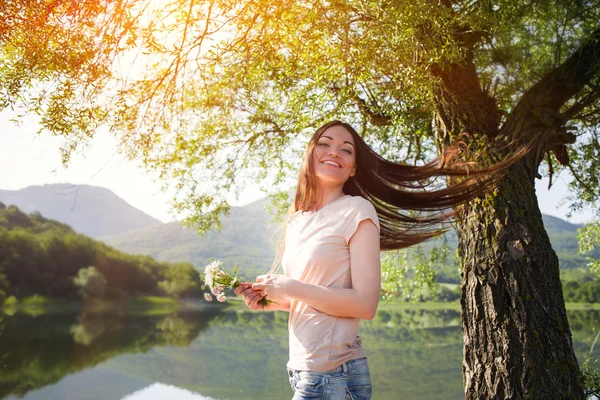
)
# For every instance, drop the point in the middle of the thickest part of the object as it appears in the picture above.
(90, 210)
(39, 256)
(563, 236)
(246, 240)
(555, 224)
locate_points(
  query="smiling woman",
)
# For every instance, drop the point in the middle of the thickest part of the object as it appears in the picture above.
(349, 203)
(334, 159)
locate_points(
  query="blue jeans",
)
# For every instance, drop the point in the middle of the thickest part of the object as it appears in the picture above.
(349, 381)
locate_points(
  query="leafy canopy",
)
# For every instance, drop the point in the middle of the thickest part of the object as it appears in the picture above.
(217, 94)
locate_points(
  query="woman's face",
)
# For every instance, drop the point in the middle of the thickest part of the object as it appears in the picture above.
(334, 156)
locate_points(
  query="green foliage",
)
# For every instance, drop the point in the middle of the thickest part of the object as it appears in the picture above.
(35, 301)
(229, 92)
(46, 258)
(589, 242)
(590, 371)
(406, 272)
(11, 301)
(585, 166)
(585, 292)
(57, 59)
(90, 282)
(279, 205)
(180, 280)
(3, 284)
(446, 294)
(581, 285)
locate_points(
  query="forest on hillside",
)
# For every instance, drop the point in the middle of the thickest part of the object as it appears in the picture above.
(39, 256)
(43, 257)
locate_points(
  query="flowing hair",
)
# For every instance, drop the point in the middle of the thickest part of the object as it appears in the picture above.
(397, 189)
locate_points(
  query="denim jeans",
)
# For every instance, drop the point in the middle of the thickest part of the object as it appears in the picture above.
(349, 381)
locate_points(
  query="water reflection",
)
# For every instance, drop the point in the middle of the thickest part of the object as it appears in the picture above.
(36, 351)
(158, 391)
(413, 354)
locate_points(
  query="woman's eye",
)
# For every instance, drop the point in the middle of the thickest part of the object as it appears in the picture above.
(322, 144)
(347, 151)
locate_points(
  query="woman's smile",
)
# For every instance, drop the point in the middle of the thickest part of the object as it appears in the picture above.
(332, 163)
(334, 155)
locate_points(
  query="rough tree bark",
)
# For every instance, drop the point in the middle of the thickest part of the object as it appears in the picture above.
(517, 341)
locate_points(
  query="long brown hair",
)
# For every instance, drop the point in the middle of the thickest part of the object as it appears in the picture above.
(397, 189)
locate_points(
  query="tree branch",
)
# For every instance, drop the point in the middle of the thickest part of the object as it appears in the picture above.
(537, 114)
(581, 182)
(579, 106)
(562, 83)
(375, 118)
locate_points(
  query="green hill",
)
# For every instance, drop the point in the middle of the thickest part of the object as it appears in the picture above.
(247, 239)
(39, 256)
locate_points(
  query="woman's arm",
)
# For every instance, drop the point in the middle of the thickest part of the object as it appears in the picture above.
(280, 305)
(251, 298)
(360, 301)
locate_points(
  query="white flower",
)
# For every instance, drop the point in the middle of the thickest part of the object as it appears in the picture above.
(207, 297)
(210, 271)
(221, 297)
(215, 291)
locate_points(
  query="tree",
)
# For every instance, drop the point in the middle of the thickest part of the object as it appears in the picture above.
(232, 89)
(57, 58)
(589, 243)
(90, 282)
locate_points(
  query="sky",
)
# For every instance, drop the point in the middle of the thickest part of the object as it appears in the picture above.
(27, 158)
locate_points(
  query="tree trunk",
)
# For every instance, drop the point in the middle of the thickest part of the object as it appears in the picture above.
(517, 342)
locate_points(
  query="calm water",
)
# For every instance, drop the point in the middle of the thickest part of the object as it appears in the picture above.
(195, 355)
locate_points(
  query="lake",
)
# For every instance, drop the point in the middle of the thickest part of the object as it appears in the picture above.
(225, 353)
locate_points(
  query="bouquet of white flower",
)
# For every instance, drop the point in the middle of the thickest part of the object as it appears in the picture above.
(219, 281)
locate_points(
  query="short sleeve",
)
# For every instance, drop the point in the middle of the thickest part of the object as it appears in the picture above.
(358, 210)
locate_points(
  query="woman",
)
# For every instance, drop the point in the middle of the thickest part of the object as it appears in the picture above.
(349, 202)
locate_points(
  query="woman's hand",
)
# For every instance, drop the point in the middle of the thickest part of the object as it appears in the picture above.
(250, 296)
(275, 286)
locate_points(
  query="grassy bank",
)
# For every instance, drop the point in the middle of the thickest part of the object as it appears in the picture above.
(36, 304)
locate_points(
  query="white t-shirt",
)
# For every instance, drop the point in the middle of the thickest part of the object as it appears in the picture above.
(317, 252)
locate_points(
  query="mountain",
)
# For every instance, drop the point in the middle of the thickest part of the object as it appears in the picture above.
(91, 210)
(247, 239)
(563, 236)
(555, 224)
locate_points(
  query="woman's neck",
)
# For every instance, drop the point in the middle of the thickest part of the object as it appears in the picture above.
(329, 195)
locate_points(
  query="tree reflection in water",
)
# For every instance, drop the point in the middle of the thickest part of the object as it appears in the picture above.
(36, 351)
(413, 353)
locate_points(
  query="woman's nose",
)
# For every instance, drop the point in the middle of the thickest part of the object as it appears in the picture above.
(334, 152)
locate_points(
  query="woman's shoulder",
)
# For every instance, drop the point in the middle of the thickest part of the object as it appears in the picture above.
(358, 210)
(359, 202)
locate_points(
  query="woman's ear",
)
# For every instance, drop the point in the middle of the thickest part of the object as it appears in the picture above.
(353, 172)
